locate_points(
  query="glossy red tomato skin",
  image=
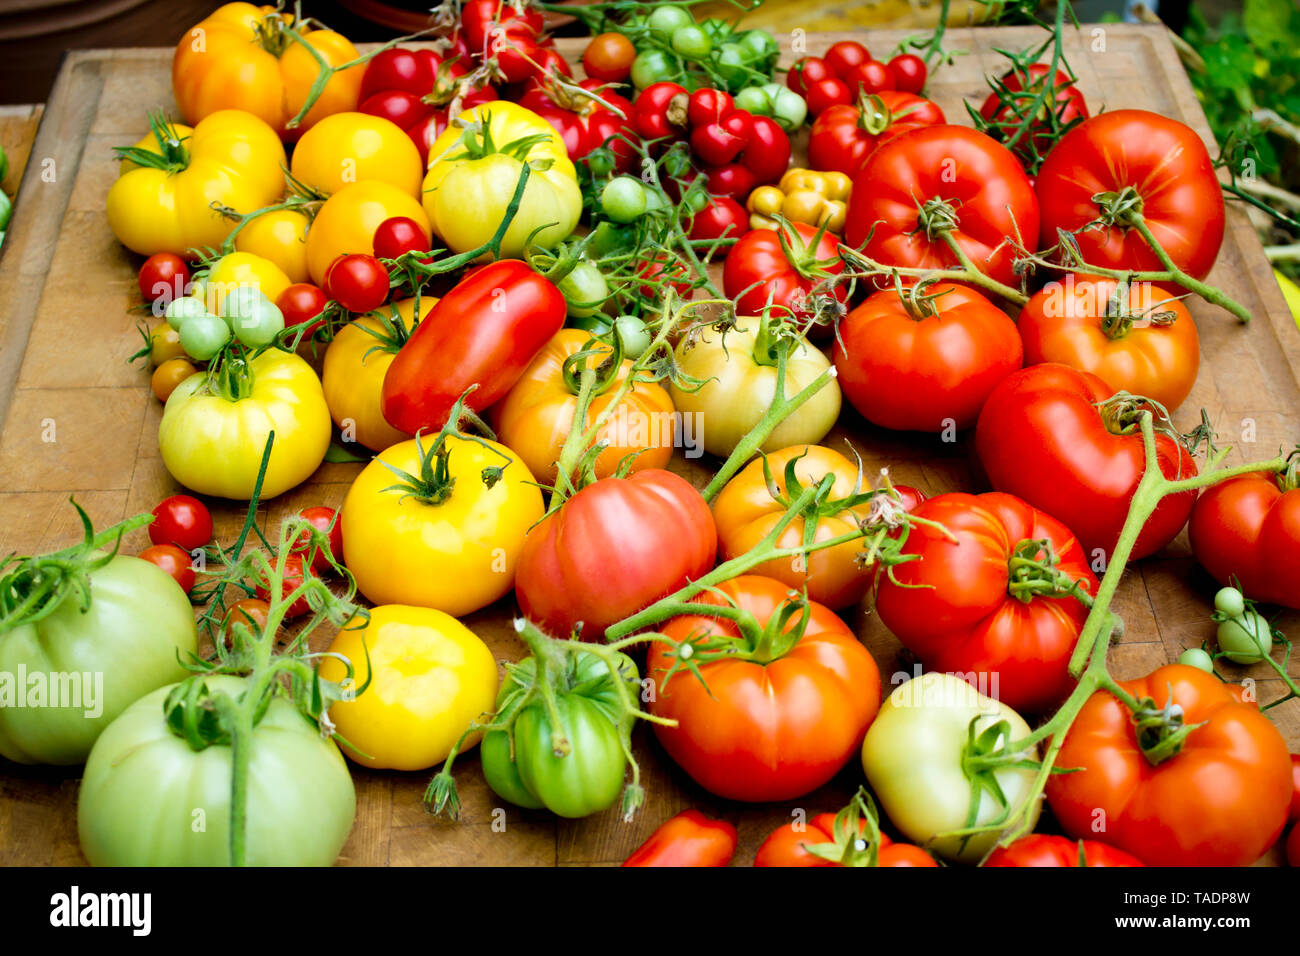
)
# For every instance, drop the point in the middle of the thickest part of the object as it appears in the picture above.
(479, 19)
(688, 839)
(768, 151)
(979, 177)
(757, 269)
(614, 548)
(411, 71)
(468, 339)
(174, 561)
(871, 76)
(764, 732)
(1222, 800)
(1248, 528)
(785, 846)
(1172, 170)
(925, 374)
(707, 105)
(164, 276)
(1041, 849)
(844, 56)
(294, 575)
(1069, 102)
(301, 302)
(324, 519)
(807, 71)
(909, 73)
(953, 609)
(732, 180)
(589, 125)
(651, 116)
(183, 521)
(722, 217)
(398, 235)
(827, 93)
(1040, 437)
(842, 137)
(397, 106)
(358, 282)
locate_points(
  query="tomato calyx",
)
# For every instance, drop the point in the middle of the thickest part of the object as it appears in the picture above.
(1033, 572)
(1161, 731)
(391, 334)
(802, 255)
(1122, 208)
(917, 300)
(984, 753)
(478, 142)
(611, 361)
(1117, 319)
(850, 844)
(936, 217)
(172, 156)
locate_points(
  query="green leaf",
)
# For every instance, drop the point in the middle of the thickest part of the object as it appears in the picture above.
(1271, 23)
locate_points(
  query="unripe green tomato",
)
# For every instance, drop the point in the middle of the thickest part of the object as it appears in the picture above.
(760, 47)
(600, 161)
(203, 336)
(179, 310)
(1196, 657)
(666, 20)
(731, 65)
(1230, 601)
(260, 324)
(634, 335)
(584, 289)
(754, 99)
(1245, 639)
(788, 107)
(623, 199)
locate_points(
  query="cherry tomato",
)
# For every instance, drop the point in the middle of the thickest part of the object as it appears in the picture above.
(358, 282)
(806, 72)
(323, 519)
(400, 234)
(608, 58)
(715, 145)
(654, 112)
(411, 71)
(827, 93)
(170, 374)
(909, 73)
(301, 302)
(181, 520)
(250, 612)
(172, 560)
(708, 106)
(164, 276)
(723, 216)
(732, 180)
(293, 578)
(869, 77)
(842, 57)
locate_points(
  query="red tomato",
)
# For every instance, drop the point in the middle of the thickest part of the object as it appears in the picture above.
(688, 839)
(657, 111)
(467, 339)
(957, 610)
(826, 93)
(293, 578)
(715, 145)
(410, 71)
(613, 549)
(172, 560)
(1221, 799)
(869, 77)
(1158, 160)
(732, 180)
(758, 270)
(843, 56)
(909, 73)
(1041, 849)
(301, 302)
(998, 109)
(1294, 814)
(844, 136)
(584, 123)
(782, 716)
(402, 109)
(973, 188)
(608, 58)
(398, 235)
(925, 365)
(181, 520)
(1249, 528)
(480, 18)
(358, 282)
(1293, 847)
(806, 72)
(516, 52)
(707, 105)
(1042, 438)
(768, 153)
(722, 217)
(164, 276)
(785, 846)
(327, 520)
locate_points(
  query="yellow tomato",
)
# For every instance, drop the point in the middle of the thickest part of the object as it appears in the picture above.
(796, 179)
(164, 344)
(280, 237)
(231, 158)
(833, 215)
(535, 417)
(346, 222)
(1290, 292)
(802, 205)
(430, 678)
(453, 548)
(353, 375)
(765, 201)
(240, 270)
(351, 148)
(212, 442)
(838, 185)
(241, 56)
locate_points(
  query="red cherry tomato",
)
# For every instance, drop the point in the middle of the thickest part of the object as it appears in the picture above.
(293, 578)
(172, 560)
(301, 302)
(323, 519)
(870, 77)
(827, 93)
(723, 216)
(715, 145)
(164, 275)
(517, 53)
(768, 152)
(411, 71)
(358, 282)
(708, 106)
(1041, 849)
(397, 106)
(733, 180)
(398, 235)
(608, 58)
(909, 73)
(806, 72)
(652, 116)
(183, 521)
(842, 57)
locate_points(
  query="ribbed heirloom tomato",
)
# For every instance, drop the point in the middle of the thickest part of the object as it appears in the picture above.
(1217, 795)
(1042, 849)
(782, 712)
(355, 148)
(785, 268)
(688, 839)
(843, 136)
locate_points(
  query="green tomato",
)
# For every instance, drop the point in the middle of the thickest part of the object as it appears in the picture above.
(732, 65)
(203, 336)
(1246, 639)
(1230, 601)
(598, 324)
(186, 307)
(4, 163)
(634, 335)
(691, 42)
(240, 303)
(912, 756)
(754, 100)
(760, 48)
(608, 237)
(655, 201)
(585, 289)
(788, 107)
(623, 199)
(260, 323)
(6, 210)
(1198, 658)
(652, 66)
(676, 161)
(717, 29)
(126, 644)
(600, 161)
(144, 789)
(666, 20)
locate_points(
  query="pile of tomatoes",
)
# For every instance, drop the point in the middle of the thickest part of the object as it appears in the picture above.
(509, 293)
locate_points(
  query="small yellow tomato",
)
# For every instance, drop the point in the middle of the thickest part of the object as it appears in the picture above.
(765, 200)
(838, 185)
(763, 222)
(351, 148)
(802, 205)
(168, 375)
(430, 678)
(241, 270)
(796, 179)
(833, 215)
(164, 344)
(280, 237)
(346, 222)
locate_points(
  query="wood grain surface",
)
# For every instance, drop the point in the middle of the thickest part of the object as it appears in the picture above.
(65, 331)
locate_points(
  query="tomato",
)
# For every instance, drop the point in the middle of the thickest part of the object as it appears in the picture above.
(745, 512)
(1042, 438)
(164, 277)
(131, 638)
(963, 607)
(612, 549)
(909, 73)
(471, 181)
(1220, 799)
(1293, 847)
(843, 56)
(172, 560)
(807, 71)
(453, 547)
(168, 376)
(279, 237)
(301, 801)
(347, 221)
(913, 756)
(765, 157)
(430, 677)
(400, 235)
(1041, 849)
(1293, 815)
(732, 180)
(723, 217)
(1142, 341)
(251, 613)
(827, 93)
(868, 77)
(938, 183)
(164, 345)
(295, 572)
(1248, 528)
(842, 137)
(481, 18)
(181, 520)
(213, 443)
(412, 71)
(659, 110)
(1165, 171)
(239, 271)
(358, 282)
(326, 521)
(300, 303)
(353, 148)
(1018, 88)
(584, 123)
(240, 57)
(781, 715)
(914, 363)
(230, 157)
(522, 766)
(468, 338)
(688, 839)
(787, 846)
(535, 417)
(608, 58)
(760, 271)
(739, 372)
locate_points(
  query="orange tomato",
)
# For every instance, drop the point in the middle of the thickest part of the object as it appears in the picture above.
(355, 147)
(241, 57)
(535, 416)
(1080, 322)
(279, 237)
(346, 222)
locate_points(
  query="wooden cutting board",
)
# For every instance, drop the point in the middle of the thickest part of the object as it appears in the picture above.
(78, 419)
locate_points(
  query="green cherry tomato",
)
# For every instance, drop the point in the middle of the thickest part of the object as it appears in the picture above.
(260, 324)
(760, 47)
(654, 200)
(585, 290)
(623, 199)
(1245, 639)
(788, 107)
(6, 210)
(754, 100)
(691, 42)
(634, 335)
(1195, 657)
(203, 336)
(732, 65)
(600, 161)
(652, 66)
(665, 21)
(718, 30)
(607, 237)
(179, 310)
(1230, 601)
